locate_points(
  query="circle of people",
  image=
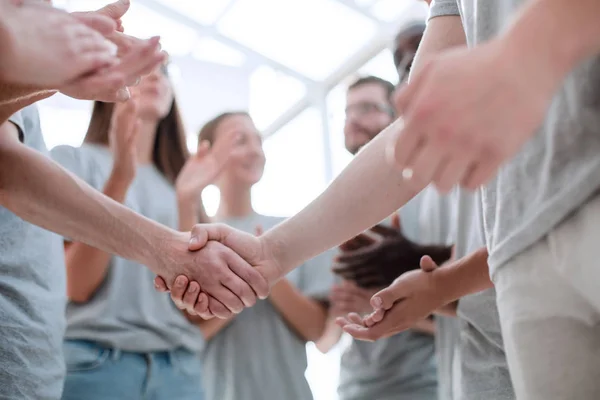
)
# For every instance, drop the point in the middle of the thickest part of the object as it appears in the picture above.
(457, 249)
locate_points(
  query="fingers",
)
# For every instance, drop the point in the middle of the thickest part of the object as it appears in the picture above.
(160, 285)
(385, 231)
(427, 264)
(115, 10)
(361, 255)
(375, 317)
(241, 285)
(190, 298)
(218, 309)
(481, 173)
(386, 298)
(361, 240)
(452, 173)
(178, 290)
(201, 308)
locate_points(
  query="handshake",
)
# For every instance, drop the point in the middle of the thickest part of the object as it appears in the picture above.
(216, 270)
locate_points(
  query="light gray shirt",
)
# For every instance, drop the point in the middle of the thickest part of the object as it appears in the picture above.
(257, 355)
(483, 367)
(126, 312)
(399, 367)
(32, 297)
(557, 170)
(437, 220)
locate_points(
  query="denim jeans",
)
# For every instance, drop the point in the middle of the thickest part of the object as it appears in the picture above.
(98, 373)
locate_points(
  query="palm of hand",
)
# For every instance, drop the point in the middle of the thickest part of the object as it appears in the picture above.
(197, 173)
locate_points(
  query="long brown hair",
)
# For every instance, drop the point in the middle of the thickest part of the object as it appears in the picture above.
(170, 150)
(209, 130)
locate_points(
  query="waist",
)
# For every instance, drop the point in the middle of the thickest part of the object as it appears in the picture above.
(116, 353)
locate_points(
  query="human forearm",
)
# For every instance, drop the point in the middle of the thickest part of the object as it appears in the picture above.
(562, 32)
(15, 104)
(86, 265)
(28, 188)
(331, 336)
(442, 33)
(365, 193)
(305, 316)
(463, 277)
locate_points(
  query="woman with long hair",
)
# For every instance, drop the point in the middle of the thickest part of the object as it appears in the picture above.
(260, 353)
(124, 340)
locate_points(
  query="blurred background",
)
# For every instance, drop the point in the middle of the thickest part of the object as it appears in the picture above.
(288, 62)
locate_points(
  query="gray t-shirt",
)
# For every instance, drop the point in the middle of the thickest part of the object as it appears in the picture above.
(437, 219)
(257, 355)
(483, 367)
(126, 312)
(399, 367)
(32, 297)
(557, 170)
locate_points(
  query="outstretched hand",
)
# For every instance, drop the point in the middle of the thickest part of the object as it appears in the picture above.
(412, 297)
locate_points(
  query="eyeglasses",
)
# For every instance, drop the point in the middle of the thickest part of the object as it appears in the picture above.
(366, 108)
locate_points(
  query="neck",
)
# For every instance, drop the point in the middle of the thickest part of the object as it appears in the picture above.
(145, 141)
(236, 202)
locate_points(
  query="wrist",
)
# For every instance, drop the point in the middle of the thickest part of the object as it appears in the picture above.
(442, 283)
(188, 198)
(273, 249)
(119, 177)
(164, 250)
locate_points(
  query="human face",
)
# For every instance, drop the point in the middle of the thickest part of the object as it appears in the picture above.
(154, 95)
(368, 112)
(247, 162)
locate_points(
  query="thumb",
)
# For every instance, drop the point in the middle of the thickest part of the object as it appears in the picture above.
(198, 238)
(386, 298)
(115, 10)
(258, 230)
(427, 264)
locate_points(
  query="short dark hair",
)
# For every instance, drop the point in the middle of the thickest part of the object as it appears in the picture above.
(367, 80)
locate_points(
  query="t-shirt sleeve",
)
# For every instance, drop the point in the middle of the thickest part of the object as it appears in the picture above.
(316, 277)
(17, 120)
(440, 8)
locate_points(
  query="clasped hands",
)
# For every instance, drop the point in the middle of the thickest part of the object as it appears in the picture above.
(384, 258)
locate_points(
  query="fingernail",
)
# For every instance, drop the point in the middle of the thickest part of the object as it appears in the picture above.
(377, 302)
(179, 281)
(194, 241)
(193, 289)
(123, 94)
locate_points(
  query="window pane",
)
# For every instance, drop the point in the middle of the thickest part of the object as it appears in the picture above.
(211, 50)
(294, 173)
(391, 10)
(311, 36)
(271, 94)
(203, 11)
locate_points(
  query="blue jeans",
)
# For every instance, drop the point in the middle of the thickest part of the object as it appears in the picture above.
(98, 373)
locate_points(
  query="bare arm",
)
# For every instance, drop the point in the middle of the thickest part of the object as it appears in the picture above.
(331, 336)
(92, 217)
(369, 189)
(306, 316)
(87, 266)
(442, 33)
